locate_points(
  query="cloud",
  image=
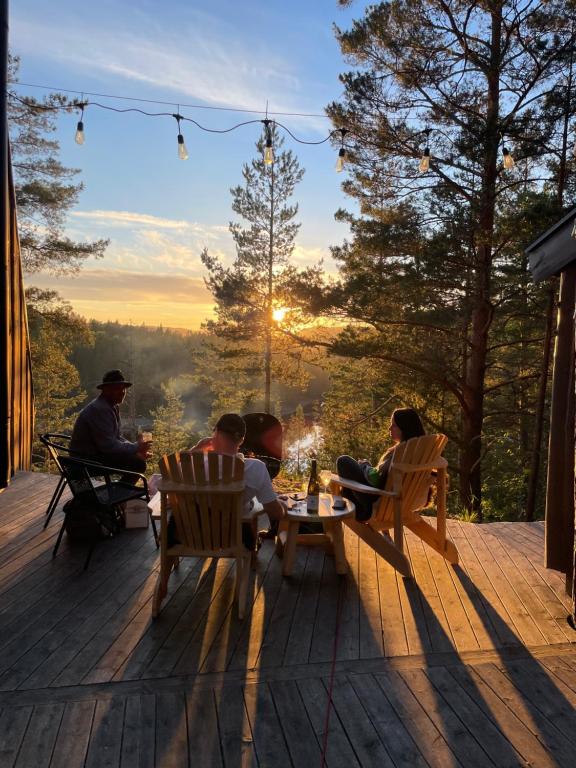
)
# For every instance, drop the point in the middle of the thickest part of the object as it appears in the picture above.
(132, 286)
(131, 219)
(128, 218)
(203, 58)
(144, 243)
(153, 299)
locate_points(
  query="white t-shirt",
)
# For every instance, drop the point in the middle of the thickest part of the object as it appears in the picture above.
(257, 483)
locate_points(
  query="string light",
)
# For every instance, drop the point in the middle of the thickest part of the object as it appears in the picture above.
(268, 150)
(507, 159)
(340, 162)
(182, 151)
(79, 137)
(424, 165)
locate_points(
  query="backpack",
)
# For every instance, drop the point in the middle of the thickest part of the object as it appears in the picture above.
(87, 521)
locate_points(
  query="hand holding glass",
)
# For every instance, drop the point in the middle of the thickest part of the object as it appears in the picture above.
(145, 443)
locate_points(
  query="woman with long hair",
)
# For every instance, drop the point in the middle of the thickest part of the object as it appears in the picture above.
(404, 424)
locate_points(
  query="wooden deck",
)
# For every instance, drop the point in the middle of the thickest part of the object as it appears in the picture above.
(464, 666)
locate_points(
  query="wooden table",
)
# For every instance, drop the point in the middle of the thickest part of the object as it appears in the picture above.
(331, 520)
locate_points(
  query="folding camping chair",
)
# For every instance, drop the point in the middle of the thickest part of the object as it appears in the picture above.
(99, 500)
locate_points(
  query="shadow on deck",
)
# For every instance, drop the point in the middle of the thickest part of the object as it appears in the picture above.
(469, 665)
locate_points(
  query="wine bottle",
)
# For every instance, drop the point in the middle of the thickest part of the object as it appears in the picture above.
(313, 495)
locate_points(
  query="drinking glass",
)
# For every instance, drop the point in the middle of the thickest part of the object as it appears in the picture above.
(325, 479)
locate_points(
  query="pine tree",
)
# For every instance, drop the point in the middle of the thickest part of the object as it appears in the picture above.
(54, 330)
(248, 292)
(424, 269)
(170, 434)
(45, 191)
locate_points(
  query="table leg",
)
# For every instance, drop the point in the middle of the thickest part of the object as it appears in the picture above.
(290, 547)
(337, 535)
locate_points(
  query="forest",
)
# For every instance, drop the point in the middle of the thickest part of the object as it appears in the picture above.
(456, 128)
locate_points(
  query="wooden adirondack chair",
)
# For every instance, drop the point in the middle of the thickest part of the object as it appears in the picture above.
(417, 464)
(205, 494)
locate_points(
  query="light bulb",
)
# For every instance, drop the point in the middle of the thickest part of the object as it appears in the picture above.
(79, 137)
(268, 153)
(424, 164)
(182, 151)
(507, 159)
(341, 161)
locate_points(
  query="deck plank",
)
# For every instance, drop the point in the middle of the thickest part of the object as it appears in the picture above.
(498, 749)
(13, 726)
(232, 630)
(508, 715)
(394, 637)
(339, 751)
(73, 737)
(88, 679)
(371, 634)
(299, 641)
(463, 743)
(139, 734)
(106, 737)
(237, 744)
(462, 631)
(413, 715)
(437, 623)
(36, 751)
(359, 729)
(297, 729)
(171, 731)
(203, 737)
(390, 727)
(269, 743)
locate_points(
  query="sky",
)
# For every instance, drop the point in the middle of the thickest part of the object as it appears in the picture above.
(159, 212)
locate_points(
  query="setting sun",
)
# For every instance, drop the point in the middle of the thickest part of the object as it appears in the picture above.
(279, 314)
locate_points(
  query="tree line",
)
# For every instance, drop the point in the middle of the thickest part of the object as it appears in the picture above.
(433, 305)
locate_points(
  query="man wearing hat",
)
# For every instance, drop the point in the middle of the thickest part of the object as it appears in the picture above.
(96, 434)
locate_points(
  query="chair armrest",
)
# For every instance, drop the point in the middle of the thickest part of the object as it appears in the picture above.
(354, 486)
(105, 471)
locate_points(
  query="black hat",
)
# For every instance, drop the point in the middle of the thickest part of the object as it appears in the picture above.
(232, 424)
(113, 377)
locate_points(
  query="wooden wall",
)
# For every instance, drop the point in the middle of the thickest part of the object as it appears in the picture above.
(16, 393)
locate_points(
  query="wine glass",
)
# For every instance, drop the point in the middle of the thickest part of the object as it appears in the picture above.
(325, 479)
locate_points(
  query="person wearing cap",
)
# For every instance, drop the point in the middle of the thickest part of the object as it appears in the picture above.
(228, 436)
(97, 431)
